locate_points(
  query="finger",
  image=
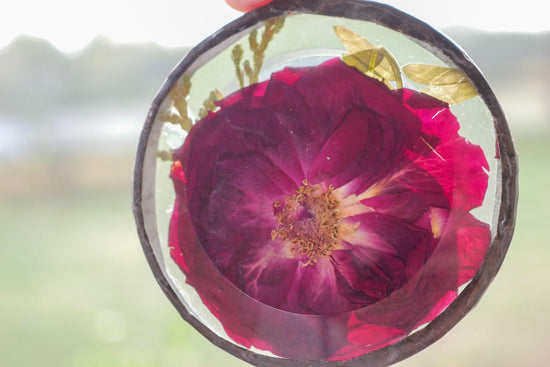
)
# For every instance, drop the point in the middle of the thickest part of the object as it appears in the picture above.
(246, 5)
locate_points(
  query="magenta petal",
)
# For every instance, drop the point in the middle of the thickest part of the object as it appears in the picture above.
(364, 148)
(289, 75)
(371, 275)
(259, 326)
(365, 338)
(383, 233)
(350, 88)
(240, 209)
(472, 241)
(266, 274)
(459, 166)
(251, 94)
(380, 254)
(408, 311)
(346, 146)
(237, 131)
(291, 110)
(318, 291)
(407, 194)
(438, 307)
(430, 290)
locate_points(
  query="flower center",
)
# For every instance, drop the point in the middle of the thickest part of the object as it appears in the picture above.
(310, 220)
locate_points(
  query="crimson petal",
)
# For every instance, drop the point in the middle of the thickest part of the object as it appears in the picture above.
(260, 326)
(407, 193)
(240, 208)
(432, 288)
(349, 89)
(291, 110)
(459, 166)
(380, 252)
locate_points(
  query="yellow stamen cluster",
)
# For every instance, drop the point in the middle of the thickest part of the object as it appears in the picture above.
(310, 220)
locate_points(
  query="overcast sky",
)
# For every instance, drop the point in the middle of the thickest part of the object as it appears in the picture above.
(71, 24)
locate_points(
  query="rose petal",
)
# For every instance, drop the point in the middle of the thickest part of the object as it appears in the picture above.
(238, 215)
(318, 290)
(252, 95)
(384, 233)
(289, 75)
(291, 110)
(267, 273)
(459, 166)
(350, 88)
(430, 290)
(365, 338)
(238, 131)
(374, 263)
(347, 145)
(406, 194)
(247, 321)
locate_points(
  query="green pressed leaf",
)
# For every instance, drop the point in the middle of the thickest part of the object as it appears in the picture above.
(434, 74)
(452, 93)
(354, 42)
(377, 63)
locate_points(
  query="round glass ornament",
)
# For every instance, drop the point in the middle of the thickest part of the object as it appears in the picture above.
(325, 181)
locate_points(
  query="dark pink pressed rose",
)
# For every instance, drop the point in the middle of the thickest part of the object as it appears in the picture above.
(320, 215)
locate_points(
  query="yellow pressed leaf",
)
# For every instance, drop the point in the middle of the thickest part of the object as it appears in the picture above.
(365, 61)
(209, 104)
(389, 67)
(452, 93)
(165, 155)
(377, 63)
(219, 94)
(434, 74)
(374, 61)
(184, 122)
(353, 41)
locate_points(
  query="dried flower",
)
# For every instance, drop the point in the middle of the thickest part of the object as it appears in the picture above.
(320, 215)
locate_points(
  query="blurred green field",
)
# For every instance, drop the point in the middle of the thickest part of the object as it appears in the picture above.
(77, 291)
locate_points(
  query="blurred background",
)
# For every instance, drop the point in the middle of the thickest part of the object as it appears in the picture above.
(76, 81)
